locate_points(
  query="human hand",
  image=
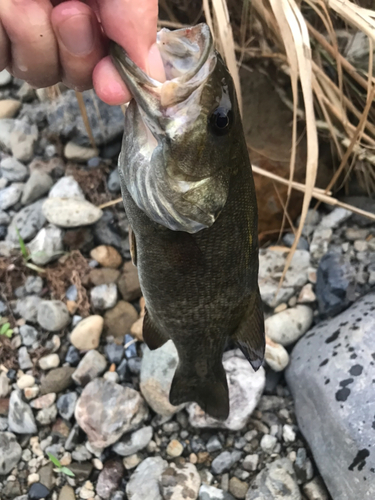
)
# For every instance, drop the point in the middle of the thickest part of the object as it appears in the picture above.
(47, 41)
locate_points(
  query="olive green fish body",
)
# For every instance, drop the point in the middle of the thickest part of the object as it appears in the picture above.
(200, 284)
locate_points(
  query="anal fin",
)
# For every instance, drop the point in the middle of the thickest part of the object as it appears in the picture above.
(153, 337)
(250, 336)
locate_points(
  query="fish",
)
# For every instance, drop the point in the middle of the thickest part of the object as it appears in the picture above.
(188, 192)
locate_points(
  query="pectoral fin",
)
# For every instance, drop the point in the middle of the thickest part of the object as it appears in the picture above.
(249, 335)
(133, 246)
(153, 337)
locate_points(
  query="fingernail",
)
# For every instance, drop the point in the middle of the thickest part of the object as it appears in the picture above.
(77, 34)
(155, 66)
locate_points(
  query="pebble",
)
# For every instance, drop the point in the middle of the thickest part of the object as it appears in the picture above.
(289, 434)
(268, 443)
(57, 380)
(67, 187)
(38, 491)
(47, 416)
(353, 234)
(43, 401)
(250, 462)
(104, 296)
(315, 490)
(24, 360)
(10, 452)
(31, 392)
(307, 295)
(70, 212)
(9, 108)
(128, 283)
(360, 246)
(66, 405)
(9, 196)
(288, 326)
(13, 170)
(32, 478)
(20, 418)
(22, 140)
(335, 218)
(136, 441)
(207, 492)
(5, 78)
(91, 366)
(53, 315)
(179, 481)
(47, 245)
(105, 419)
(276, 479)
(238, 488)
(25, 381)
(320, 242)
(174, 448)
(118, 321)
(114, 353)
(38, 184)
(222, 463)
(113, 181)
(107, 256)
(104, 276)
(5, 219)
(288, 240)
(67, 493)
(144, 482)
(4, 385)
(48, 362)
(276, 355)
(132, 461)
(33, 284)
(72, 356)
(213, 444)
(109, 479)
(86, 335)
(78, 153)
(29, 220)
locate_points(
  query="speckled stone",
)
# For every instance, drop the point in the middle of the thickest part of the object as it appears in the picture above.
(340, 353)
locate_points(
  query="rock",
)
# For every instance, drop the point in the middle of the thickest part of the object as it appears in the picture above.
(43, 401)
(28, 334)
(271, 265)
(250, 463)
(174, 448)
(114, 353)
(104, 296)
(335, 285)
(339, 352)
(91, 366)
(29, 220)
(70, 212)
(33, 284)
(4, 385)
(109, 479)
(106, 410)
(107, 256)
(50, 361)
(67, 493)
(132, 461)
(276, 356)
(22, 140)
(53, 315)
(113, 181)
(38, 184)
(307, 295)
(82, 471)
(67, 187)
(302, 466)
(288, 240)
(144, 482)
(20, 419)
(66, 405)
(5, 78)
(78, 153)
(288, 326)
(9, 196)
(320, 242)
(222, 463)
(10, 452)
(25, 381)
(57, 380)
(180, 481)
(207, 492)
(9, 108)
(27, 308)
(118, 321)
(268, 443)
(128, 283)
(47, 245)
(238, 488)
(315, 490)
(335, 218)
(86, 335)
(38, 491)
(5, 220)
(157, 372)
(47, 416)
(81, 453)
(13, 170)
(245, 390)
(24, 360)
(134, 442)
(104, 276)
(276, 482)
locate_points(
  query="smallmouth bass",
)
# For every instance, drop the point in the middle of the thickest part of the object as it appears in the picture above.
(189, 195)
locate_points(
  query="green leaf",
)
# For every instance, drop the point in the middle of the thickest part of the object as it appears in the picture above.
(4, 328)
(24, 251)
(54, 460)
(9, 333)
(67, 472)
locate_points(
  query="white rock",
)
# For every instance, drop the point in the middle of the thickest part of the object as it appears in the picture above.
(104, 296)
(75, 152)
(289, 435)
(86, 335)
(245, 390)
(25, 381)
(47, 245)
(320, 242)
(22, 140)
(13, 170)
(288, 326)
(9, 196)
(268, 443)
(32, 478)
(9, 108)
(307, 295)
(335, 218)
(53, 315)
(67, 187)
(5, 78)
(50, 361)
(276, 356)
(38, 184)
(70, 212)
(5, 386)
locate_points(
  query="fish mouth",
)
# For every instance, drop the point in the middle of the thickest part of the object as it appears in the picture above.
(188, 58)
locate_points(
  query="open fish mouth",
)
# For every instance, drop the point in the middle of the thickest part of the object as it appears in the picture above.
(188, 58)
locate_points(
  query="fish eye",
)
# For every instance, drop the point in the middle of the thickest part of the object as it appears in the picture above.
(221, 120)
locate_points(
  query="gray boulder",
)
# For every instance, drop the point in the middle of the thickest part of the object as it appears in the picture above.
(10, 452)
(331, 377)
(144, 482)
(275, 482)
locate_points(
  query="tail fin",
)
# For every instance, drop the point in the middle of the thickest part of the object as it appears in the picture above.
(211, 392)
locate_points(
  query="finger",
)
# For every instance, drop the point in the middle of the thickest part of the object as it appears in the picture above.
(34, 55)
(108, 84)
(81, 43)
(4, 48)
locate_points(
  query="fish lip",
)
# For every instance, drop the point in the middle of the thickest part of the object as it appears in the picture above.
(144, 89)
